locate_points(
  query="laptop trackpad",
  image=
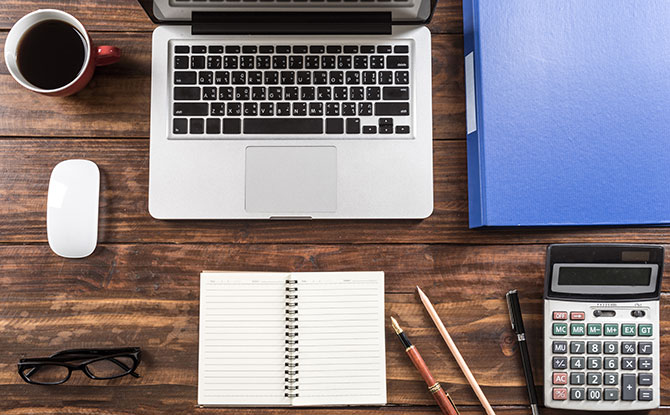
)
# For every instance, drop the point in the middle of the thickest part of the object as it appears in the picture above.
(293, 180)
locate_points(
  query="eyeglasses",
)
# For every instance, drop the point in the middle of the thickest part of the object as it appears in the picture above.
(97, 364)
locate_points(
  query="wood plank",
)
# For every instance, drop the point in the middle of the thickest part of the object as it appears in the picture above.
(127, 15)
(25, 166)
(117, 101)
(147, 295)
(107, 15)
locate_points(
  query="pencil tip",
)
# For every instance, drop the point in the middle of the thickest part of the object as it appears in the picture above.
(419, 290)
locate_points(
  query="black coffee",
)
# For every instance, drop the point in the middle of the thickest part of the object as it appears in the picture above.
(51, 54)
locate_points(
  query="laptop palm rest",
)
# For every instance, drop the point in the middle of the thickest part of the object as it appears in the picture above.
(285, 181)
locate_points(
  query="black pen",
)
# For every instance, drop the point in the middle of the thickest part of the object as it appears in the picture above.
(517, 325)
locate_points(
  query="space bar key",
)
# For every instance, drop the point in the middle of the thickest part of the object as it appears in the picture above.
(283, 126)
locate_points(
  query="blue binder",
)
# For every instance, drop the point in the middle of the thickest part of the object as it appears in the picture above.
(568, 112)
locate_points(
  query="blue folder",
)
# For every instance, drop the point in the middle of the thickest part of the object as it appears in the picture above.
(568, 112)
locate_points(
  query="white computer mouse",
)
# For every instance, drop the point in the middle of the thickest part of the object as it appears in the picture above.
(72, 208)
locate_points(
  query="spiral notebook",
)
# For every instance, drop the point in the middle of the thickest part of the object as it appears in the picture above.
(291, 339)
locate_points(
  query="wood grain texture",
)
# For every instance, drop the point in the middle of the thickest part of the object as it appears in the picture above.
(117, 101)
(25, 165)
(127, 15)
(147, 295)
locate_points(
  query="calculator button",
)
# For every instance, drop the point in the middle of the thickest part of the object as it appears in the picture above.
(559, 347)
(628, 388)
(610, 378)
(577, 329)
(638, 313)
(611, 347)
(627, 347)
(594, 363)
(611, 329)
(594, 394)
(594, 347)
(611, 363)
(560, 394)
(560, 315)
(628, 329)
(577, 347)
(628, 363)
(559, 378)
(645, 394)
(577, 315)
(644, 348)
(645, 379)
(560, 329)
(644, 330)
(559, 362)
(576, 378)
(576, 394)
(578, 363)
(611, 394)
(644, 363)
(595, 329)
(594, 378)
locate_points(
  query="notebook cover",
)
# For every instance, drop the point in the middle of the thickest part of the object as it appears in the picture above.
(568, 112)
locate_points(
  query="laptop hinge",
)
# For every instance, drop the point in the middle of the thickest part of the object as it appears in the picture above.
(291, 23)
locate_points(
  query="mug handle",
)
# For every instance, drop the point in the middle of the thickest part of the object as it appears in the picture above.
(107, 55)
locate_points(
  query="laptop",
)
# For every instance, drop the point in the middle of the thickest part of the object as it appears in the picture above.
(290, 109)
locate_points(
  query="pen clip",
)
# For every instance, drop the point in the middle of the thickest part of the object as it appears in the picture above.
(508, 296)
(453, 404)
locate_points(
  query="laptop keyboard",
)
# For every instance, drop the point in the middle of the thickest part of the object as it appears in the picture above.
(321, 91)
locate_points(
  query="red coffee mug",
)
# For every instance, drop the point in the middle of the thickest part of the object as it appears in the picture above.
(95, 55)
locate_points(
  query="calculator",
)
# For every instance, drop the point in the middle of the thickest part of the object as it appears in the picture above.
(601, 327)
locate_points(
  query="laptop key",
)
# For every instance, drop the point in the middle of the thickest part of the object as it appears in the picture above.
(391, 93)
(391, 108)
(232, 126)
(185, 78)
(197, 62)
(213, 126)
(181, 62)
(367, 49)
(283, 126)
(195, 108)
(334, 125)
(181, 49)
(198, 49)
(397, 62)
(384, 49)
(249, 49)
(196, 126)
(183, 93)
(369, 129)
(180, 126)
(401, 49)
(353, 125)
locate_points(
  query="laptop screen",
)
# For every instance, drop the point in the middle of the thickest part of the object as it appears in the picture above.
(179, 11)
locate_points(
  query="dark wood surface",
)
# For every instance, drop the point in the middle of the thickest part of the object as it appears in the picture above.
(140, 287)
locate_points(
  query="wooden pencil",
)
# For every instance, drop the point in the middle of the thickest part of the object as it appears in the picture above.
(454, 351)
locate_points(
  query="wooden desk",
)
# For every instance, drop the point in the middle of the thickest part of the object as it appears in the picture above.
(140, 287)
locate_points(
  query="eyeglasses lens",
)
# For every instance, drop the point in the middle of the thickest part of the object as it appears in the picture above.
(47, 374)
(111, 367)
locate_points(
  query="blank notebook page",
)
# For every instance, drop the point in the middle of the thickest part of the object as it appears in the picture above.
(341, 339)
(242, 335)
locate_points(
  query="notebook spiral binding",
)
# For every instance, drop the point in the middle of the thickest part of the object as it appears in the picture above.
(291, 341)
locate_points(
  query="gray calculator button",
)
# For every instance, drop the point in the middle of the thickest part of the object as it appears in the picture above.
(645, 379)
(644, 363)
(576, 394)
(627, 347)
(559, 362)
(577, 347)
(645, 394)
(594, 363)
(611, 363)
(611, 347)
(594, 378)
(578, 363)
(611, 378)
(576, 378)
(611, 394)
(628, 363)
(559, 347)
(644, 348)
(594, 394)
(628, 388)
(594, 347)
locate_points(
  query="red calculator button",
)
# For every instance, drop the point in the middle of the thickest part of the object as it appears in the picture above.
(560, 394)
(560, 315)
(560, 378)
(577, 315)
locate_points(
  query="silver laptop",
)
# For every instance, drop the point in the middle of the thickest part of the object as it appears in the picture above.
(287, 109)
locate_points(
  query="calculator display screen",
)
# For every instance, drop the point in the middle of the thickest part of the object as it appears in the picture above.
(604, 276)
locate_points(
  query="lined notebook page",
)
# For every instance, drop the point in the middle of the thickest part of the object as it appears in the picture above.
(341, 339)
(241, 360)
